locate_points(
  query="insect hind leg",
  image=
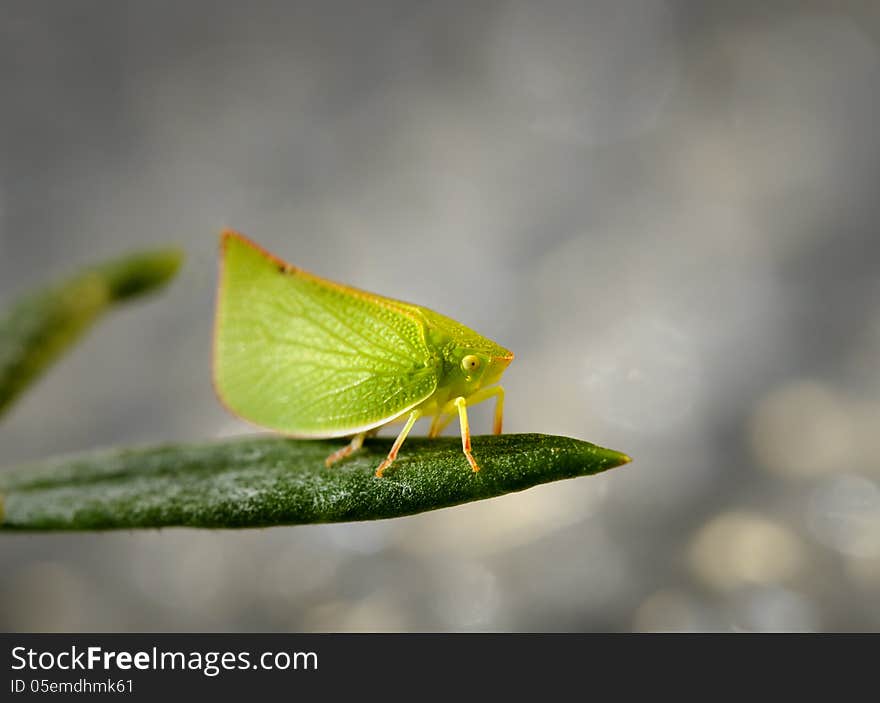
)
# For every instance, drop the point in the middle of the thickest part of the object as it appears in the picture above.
(356, 443)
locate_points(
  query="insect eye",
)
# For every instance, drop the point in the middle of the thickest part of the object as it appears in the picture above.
(470, 363)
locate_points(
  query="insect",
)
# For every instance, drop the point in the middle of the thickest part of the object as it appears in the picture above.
(311, 358)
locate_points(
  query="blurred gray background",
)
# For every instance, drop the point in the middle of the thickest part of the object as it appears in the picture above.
(667, 209)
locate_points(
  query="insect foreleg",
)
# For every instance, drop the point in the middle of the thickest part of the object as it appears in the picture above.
(485, 394)
(392, 455)
(478, 397)
(461, 404)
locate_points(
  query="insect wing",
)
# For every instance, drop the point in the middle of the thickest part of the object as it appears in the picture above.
(309, 357)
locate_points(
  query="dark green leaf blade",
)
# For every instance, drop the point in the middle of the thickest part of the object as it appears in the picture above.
(39, 328)
(265, 481)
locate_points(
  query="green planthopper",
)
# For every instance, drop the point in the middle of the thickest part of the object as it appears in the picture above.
(311, 358)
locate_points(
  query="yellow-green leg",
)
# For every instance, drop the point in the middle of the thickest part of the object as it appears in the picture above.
(485, 394)
(440, 422)
(449, 411)
(461, 404)
(356, 443)
(392, 455)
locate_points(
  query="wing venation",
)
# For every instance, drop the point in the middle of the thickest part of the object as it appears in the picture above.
(308, 357)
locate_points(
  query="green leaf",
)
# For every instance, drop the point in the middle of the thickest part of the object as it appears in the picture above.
(41, 326)
(258, 482)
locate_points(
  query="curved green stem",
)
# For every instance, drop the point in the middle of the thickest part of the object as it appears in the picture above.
(41, 326)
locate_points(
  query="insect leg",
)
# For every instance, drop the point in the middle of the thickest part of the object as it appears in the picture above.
(439, 423)
(461, 404)
(356, 443)
(499, 410)
(392, 455)
(485, 394)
